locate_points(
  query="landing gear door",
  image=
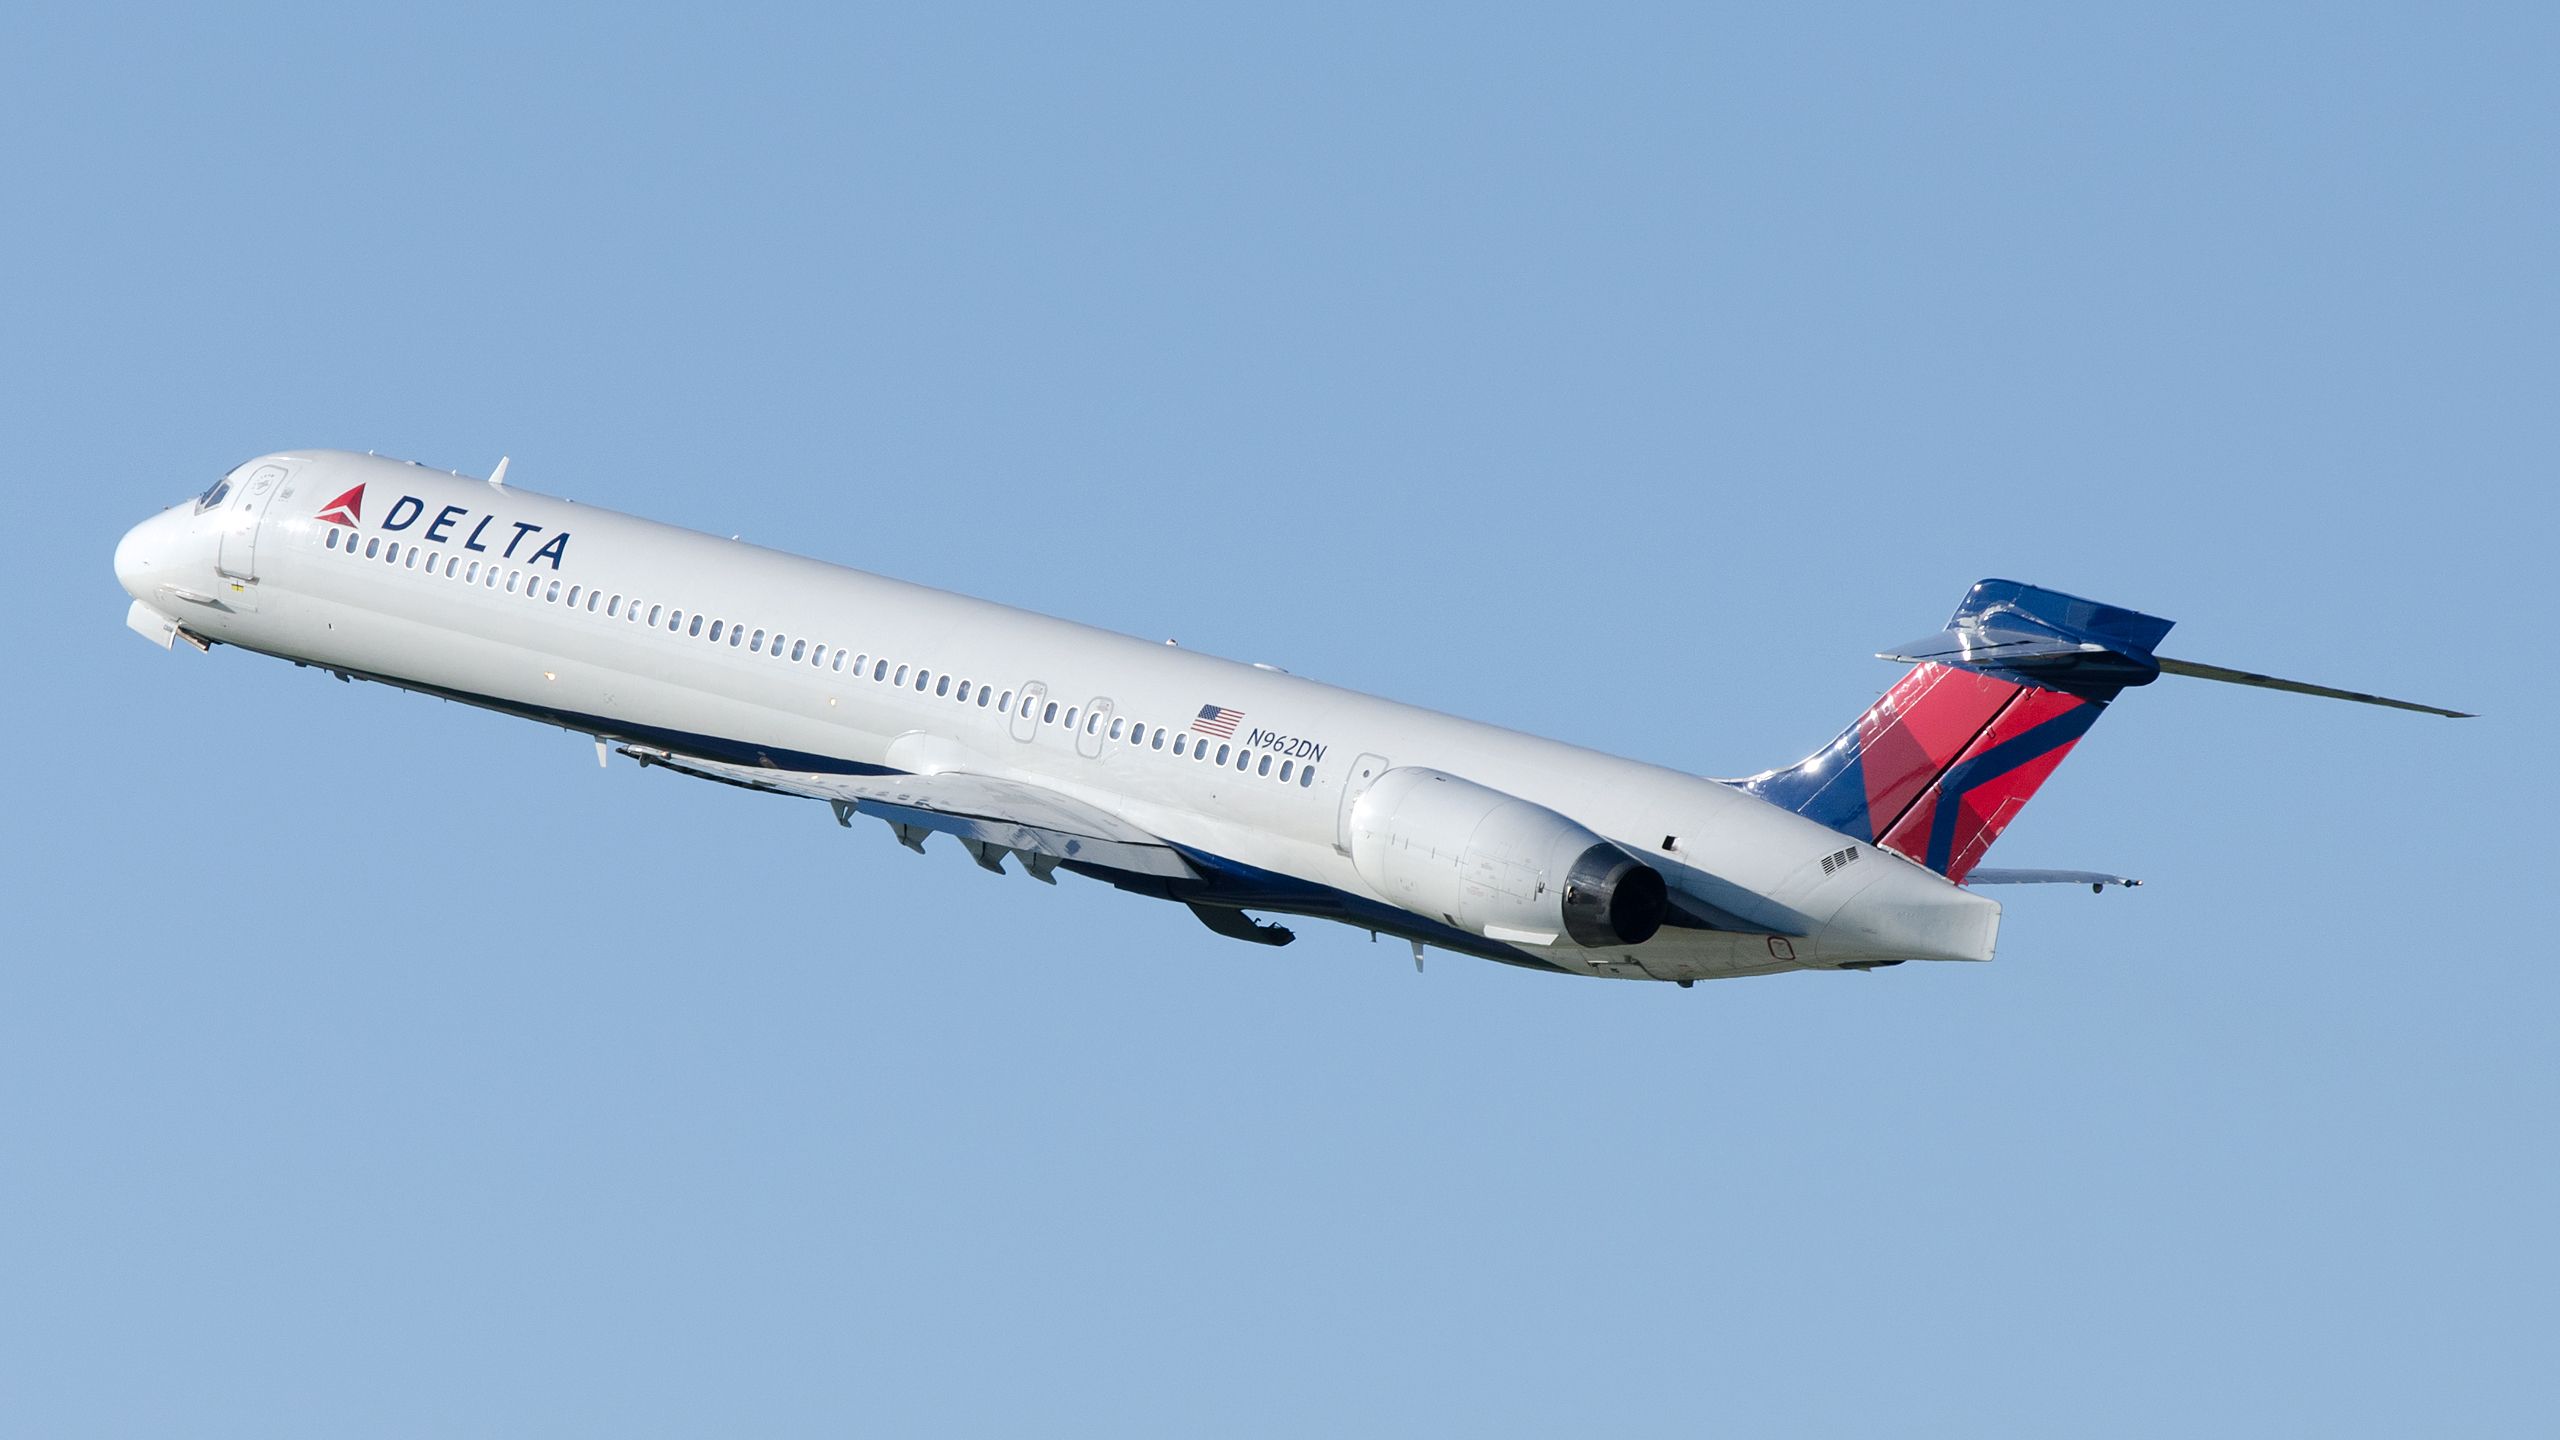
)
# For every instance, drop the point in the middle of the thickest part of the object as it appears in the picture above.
(1364, 773)
(240, 520)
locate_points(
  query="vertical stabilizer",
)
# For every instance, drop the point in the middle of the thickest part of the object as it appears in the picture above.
(1938, 767)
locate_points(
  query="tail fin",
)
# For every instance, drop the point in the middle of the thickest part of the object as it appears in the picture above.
(1937, 768)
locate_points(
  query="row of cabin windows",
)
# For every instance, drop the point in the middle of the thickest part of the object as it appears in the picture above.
(1140, 735)
(594, 602)
(1137, 735)
(958, 692)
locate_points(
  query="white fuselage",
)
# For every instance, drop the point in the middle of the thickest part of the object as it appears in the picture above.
(601, 622)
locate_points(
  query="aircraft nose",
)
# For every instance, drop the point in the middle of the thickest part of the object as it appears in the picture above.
(142, 555)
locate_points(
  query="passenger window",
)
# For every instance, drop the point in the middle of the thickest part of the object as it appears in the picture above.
(654, 612)
(333, 539)
(1005, 701)
(512, 577)
(757, 644)
(838, 666)
(1115, 729)
(1262, 766)
(880, 670)
(675, 620)
(1306, 777)
(983, 693)
(490, 579)
(471, 575)
(799, 648)
(595, 601)
(696, 627)
(1093, 722)
(942, 686)
(552, 595)
(1050, 715)
(573, 597)
(737, 636)
(962, 694)
(451, 564)
(901, 678)
(1222, 754)
(1159, 741)
(372, 547)
(1071, 717)
(613, 606)
(861, 663)
(924, 677)
(1284, 770)
(715, 632)
(1180, 742)
(818, 655)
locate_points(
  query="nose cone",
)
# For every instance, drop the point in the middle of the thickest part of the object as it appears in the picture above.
(143, 555)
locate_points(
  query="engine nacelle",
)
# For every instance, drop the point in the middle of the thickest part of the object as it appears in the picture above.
(1495, 865)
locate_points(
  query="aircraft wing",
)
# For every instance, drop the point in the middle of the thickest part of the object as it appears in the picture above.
(992, 818)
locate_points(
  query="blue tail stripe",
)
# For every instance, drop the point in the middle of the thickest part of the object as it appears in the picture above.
(1993, 763)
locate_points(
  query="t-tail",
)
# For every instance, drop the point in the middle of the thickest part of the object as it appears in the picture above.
(1937, 768)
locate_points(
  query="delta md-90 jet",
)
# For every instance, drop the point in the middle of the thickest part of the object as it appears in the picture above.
(1228, 788)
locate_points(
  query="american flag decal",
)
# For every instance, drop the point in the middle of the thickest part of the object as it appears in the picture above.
(1217, 720)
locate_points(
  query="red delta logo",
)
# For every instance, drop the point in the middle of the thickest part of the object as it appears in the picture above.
(347, 509)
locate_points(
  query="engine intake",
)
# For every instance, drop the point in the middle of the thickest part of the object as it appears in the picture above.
(1495, 865)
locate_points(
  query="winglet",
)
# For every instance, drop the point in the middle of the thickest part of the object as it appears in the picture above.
(498, 477)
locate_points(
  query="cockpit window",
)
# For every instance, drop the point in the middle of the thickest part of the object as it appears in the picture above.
(221, 490)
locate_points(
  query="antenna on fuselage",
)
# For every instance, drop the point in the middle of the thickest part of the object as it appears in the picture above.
(498, 477)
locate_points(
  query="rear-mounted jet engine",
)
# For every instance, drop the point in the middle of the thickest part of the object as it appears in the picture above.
(1495, 865)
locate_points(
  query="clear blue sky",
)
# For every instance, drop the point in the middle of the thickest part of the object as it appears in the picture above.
(373, 1066)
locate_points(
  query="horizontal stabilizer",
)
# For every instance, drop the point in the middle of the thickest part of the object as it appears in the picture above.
(2094, 879)
(2298, 687)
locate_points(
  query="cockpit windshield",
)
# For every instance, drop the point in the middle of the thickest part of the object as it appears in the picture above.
(221, 489)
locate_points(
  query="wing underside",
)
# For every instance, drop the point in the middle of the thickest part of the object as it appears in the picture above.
(992, 818)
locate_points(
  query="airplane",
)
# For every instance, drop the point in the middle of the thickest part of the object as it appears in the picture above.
(1229, 788)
